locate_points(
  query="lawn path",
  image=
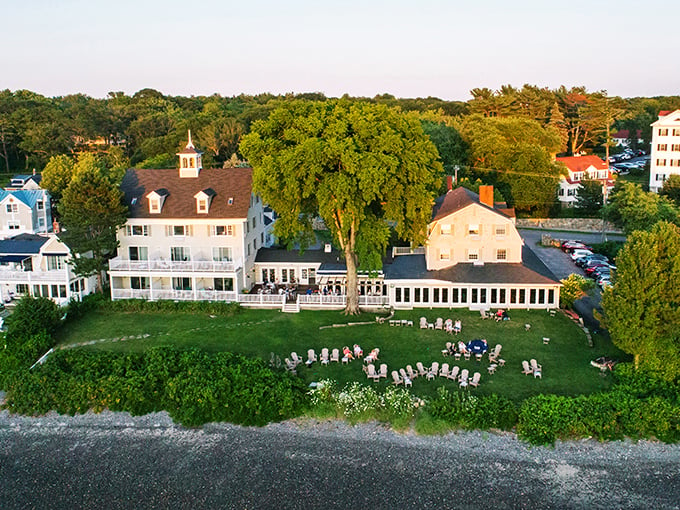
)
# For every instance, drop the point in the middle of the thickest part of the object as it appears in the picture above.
(159, 334)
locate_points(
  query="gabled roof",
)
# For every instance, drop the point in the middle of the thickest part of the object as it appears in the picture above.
(460, 198)
(236, 183)
(667, 117)
(27, 196)
(23, 244)
(582, 163)
(624, 134)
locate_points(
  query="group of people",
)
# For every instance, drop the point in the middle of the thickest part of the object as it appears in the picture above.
(501, 315)
(355, 352)
(453, 327)
(461, 347)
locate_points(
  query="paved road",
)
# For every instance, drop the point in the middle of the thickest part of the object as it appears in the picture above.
(115, 461)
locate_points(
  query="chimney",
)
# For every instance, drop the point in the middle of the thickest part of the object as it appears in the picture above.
(327, 248)
(449, 183)
(486, 195)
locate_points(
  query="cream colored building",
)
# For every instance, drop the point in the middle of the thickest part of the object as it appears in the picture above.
(665, 155)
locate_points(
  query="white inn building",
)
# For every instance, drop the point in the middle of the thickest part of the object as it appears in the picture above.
(665, 155)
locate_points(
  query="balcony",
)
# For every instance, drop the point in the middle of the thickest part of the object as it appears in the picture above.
(174, 295)
(173, 266)
(8, 275)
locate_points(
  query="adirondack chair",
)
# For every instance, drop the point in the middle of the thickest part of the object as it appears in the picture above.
(526, 369)
(372, 374)
(421, 369)
(335, 355)
(410, 372)
(444, 372)
(439, 323)
(453, 374)
(396, 380)
(324, 356)
(383, 371)
(475, 379)
(463, 379)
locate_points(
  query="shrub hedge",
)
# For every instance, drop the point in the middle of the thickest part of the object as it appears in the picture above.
(195, 387)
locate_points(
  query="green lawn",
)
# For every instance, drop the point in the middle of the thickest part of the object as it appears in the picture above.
(566, 360)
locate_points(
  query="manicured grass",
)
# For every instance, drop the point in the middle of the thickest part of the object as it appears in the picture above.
(565, 360)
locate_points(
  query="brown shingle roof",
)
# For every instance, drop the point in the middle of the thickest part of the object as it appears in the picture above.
(458, 199)
(236, 183)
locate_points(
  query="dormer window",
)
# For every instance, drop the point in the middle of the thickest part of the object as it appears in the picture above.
(203, 199)
(156, 199)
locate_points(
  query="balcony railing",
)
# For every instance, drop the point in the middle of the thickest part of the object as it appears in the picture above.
(407, 250)
(174, 295)
(34, 276)
(174, 266)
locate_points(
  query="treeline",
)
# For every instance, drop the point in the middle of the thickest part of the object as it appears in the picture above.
(508, 137)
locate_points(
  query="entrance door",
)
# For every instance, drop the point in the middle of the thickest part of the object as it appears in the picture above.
(311, 275)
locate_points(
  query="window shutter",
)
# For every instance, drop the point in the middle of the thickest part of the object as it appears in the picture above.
(168, 230)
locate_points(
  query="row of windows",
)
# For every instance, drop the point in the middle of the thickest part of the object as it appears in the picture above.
(473, 254)
(474, 295)
(181, 253)
(664, 147)
(182, 283)
(665, 131)
(599, 174)
(472, 229)
(183, 230)
(49, 291)
(671, 162)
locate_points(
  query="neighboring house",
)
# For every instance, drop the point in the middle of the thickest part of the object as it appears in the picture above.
(37, 265)
(622, 138)
(581, 168)
(665, 155)
(24, 211)
(192, 233)
(25, 182)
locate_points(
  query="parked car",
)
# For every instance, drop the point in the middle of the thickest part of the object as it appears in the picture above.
(604, 283)
(593, 271)
(570, 246)
(582, 261)
(578, 253)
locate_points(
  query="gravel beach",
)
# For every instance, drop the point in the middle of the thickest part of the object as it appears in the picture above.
(113, 460)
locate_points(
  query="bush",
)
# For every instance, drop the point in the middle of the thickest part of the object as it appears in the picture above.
(467, 411)
(195, 387)
(32, 316)
(609, 248)
(140, 305)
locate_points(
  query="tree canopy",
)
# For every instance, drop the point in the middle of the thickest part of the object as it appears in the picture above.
(589, 198)
(643, 307)
(356, 165)
(91, 211)
(516, 154)
(633, 209)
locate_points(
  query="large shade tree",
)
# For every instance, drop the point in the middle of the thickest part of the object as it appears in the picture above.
(643, 308)
(359, 166)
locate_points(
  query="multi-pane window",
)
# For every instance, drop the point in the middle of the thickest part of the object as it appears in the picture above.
(676, 132)
(179, 230)
(225, 284)
(501, 254)
(137, 230)
(444, 255)
(138, 252)
(473, 229)
(154, 205)
(663, 131)
(223, 230)
(675, 162)
(662, 146)
(179, 254)
(202, 205)
(40, 205)
(55, 262)
(12, 208)
(473, 254)
(13, 225)
(660, 162)
(675, 147)
(139, 282)
(500, 229)
(181, 283)
(221, 254)
(445, 230)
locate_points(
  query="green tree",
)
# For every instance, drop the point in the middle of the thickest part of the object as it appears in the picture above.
(450, 145)
(671, 189)
(356, 165)
(92, 210)
(632, 209)
(643, 307)
(589, 198)
(517, 154)
(574, 287)
(57, 175)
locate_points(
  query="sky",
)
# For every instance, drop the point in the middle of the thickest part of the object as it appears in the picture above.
(405, 48)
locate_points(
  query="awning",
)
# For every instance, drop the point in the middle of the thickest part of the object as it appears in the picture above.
(6, 259)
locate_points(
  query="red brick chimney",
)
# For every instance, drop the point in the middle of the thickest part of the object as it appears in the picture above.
(449, 182)
(486, 195)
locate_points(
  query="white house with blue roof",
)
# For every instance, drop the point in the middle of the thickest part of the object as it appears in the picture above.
(38, 265)
(24, 211)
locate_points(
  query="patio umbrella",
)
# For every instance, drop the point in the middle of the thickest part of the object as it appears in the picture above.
(477, 346)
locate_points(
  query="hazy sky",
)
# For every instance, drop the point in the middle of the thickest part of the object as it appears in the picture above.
(363, 48)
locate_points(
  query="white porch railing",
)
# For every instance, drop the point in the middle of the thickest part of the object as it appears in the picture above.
(321, 300)
(407, 250)
(197, 266)
(262, 299)
(34, 276)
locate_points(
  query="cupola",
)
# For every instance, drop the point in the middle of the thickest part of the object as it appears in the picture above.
(190, 163)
